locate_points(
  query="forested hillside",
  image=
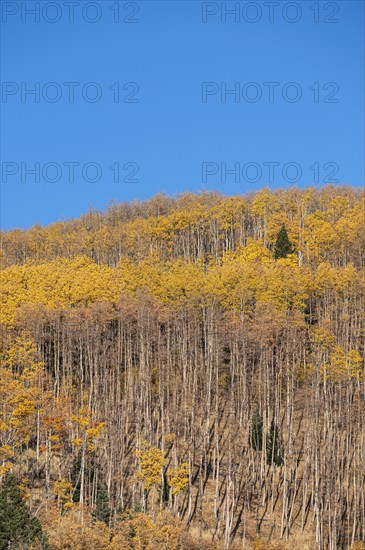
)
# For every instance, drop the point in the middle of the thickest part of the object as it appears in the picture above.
(187, 373)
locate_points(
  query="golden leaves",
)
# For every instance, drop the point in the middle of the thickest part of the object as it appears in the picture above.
(77, 529)
(343, 366)
(90, 429)
(20, 391)
(151, 460)
(5, 468)
(63, 490)
(178, 477)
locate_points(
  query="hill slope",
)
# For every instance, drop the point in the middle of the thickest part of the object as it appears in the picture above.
(167, 375)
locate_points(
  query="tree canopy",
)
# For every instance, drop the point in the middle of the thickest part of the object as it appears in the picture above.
(186, 371)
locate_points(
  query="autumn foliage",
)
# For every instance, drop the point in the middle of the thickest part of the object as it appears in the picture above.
(184, 373)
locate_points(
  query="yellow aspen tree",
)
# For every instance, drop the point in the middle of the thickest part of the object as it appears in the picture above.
(63, 489)
(90, 432)
(151, 461)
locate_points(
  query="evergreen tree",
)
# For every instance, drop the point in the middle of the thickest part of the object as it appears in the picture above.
(75, 478)
(283, 246)
(256, 431)
(274, 447)
(17, 527)
(102, 509)
(165, 491)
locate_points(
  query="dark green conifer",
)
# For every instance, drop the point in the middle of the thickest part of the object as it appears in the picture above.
(102, 508)
(256, 431)
(17, 527)
(274, 446)
(165, 488)
(283, 246)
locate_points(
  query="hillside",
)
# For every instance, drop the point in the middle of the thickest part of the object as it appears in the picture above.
(188, 373)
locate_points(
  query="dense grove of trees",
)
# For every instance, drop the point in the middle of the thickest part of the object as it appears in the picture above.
(323, 225)
(188, 372)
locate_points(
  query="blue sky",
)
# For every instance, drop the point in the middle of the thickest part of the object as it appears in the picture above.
(151, 112)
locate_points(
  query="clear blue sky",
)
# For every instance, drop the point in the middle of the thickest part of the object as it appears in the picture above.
(180, 134)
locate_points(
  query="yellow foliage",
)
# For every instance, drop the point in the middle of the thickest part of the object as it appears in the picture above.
(77, 530)
(263, 203)
(83, 419)
(236, 278)
(21, 392)
(178, 478)
(169, 438)
(24, 489)
(151, 460)
(63, 490)
(343, 365)
(91, 429)
(322, 338)
(181, 258)
(22, 353)
(358, 545)
(3, 427)
(5, 468)
(6, 452)
(94, 432)
(25, 408)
